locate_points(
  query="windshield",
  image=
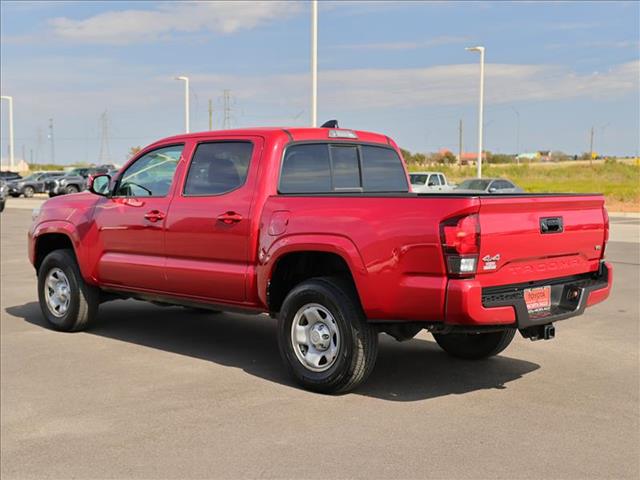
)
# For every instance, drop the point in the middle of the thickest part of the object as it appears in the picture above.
(473, 184)
(418, 179)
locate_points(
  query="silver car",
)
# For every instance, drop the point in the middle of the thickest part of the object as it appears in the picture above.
(487, 185)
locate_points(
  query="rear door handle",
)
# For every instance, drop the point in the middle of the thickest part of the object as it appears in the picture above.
(229, 218)
(154, 215)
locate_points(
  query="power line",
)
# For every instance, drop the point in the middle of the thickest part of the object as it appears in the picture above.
(226, 123)
(53, 151)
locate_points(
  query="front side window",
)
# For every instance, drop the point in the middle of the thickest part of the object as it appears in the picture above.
(151, 175)
(218, 168)
(433, 181)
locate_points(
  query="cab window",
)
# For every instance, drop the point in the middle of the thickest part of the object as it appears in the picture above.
(218, 168)
(151, 175)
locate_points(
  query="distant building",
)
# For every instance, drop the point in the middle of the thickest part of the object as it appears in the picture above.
(19, 165)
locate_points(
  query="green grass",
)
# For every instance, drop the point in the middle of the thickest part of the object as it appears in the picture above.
(619, 182)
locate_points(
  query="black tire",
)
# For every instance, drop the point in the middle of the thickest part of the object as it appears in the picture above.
(15, 195)
(28, 192)
(2, 205)
(71, 189)
(358, 345)
(474, 346)
(83, 298)
(51, 195)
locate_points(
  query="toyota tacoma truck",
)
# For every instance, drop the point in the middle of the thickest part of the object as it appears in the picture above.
(319, 228)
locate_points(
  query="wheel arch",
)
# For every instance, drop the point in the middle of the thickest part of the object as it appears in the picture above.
(296, 262)
(50, 236)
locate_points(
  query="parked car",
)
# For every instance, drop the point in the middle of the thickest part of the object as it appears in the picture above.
(73, 181)
(7, 176)
(32, 184)
(4, 191)
(488, 185)
(429, 182)
(318, 227)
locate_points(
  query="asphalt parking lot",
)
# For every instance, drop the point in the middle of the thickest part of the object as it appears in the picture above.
(152, 392)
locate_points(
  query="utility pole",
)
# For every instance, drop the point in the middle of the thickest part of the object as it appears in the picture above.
(186, 101)
(314, 63)
(591, 147)
(460, 143)
(210, 115)
(226, 124)
(105, 154)
(53, 151)
(11, 139)
(480, 50)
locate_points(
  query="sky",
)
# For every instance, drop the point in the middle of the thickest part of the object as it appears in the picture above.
(553, 71)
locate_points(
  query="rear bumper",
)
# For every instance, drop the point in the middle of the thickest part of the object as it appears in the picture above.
(469, 304)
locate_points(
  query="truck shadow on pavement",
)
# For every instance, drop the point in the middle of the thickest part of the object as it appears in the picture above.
(408, 371)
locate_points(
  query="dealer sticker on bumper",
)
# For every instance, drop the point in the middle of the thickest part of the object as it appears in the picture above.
(538, 299)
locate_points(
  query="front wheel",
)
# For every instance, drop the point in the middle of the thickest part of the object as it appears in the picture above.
(71, 189)
(473, 346)
(66, 301)
(324, 337)
(28, 192)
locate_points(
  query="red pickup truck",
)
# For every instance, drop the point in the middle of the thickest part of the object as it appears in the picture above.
(319, 228)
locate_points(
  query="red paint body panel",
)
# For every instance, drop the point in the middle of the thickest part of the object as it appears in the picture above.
(391, 244)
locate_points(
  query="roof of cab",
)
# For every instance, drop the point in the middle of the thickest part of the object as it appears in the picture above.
(298, 134)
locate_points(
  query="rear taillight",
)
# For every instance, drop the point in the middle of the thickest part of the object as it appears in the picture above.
(460, 238)
(606, 229)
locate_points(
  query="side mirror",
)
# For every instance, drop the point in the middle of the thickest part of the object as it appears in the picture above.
(99, 184)
(493, 190)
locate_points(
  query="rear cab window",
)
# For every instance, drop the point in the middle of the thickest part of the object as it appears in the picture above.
(335, 168)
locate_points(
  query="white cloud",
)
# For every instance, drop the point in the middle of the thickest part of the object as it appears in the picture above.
(434, 42)
(120, 27)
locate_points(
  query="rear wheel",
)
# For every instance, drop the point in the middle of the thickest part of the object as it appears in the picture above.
(28, 192)
(66, 301)
(324, 337)
(473, 346)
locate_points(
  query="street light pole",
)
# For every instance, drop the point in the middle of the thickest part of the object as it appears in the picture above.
(186, 102)
(481, 106)
(314, 63)
(10, 100)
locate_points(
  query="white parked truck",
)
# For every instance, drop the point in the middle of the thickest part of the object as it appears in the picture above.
(429, 182)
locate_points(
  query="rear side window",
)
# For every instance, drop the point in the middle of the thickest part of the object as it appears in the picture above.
(218, 168)
(324, 168)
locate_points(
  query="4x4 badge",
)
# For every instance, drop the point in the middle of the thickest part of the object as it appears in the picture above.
(491, 262)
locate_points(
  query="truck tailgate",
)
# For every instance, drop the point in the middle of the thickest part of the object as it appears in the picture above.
(530, 238)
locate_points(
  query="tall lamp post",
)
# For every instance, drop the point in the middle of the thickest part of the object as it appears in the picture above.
(481, 106)
(10, 100)
(314, 63)
(186, 102)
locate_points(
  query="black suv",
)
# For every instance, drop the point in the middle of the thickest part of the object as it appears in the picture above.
(32, 184)
(73, 181)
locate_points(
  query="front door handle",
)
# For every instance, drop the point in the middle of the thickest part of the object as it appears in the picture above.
(154, 215)
(229, 218)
